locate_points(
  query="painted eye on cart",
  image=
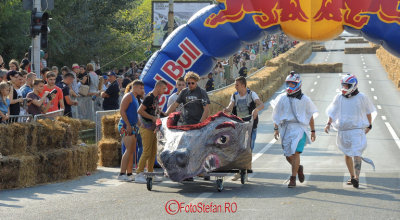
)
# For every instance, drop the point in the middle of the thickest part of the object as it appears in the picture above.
(223, 139)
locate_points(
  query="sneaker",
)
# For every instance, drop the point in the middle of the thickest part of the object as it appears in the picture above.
(236, 177)
(292, 182)
(122, 177)
(300, 173)
(157, 178)
(355, 183)
(349, 182)
(140, 178)
(130, 178)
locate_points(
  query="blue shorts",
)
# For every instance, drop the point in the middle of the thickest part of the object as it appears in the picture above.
(301, 144)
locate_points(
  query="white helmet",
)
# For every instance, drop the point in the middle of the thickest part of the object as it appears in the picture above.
(293, 78)
(349, 84)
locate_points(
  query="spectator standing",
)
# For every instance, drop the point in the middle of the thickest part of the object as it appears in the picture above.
(36, 106)
(57, 102)
(128, 128)
(13, 65)
(210, 83)
(243, 70)
(219, 71)
(28, 87)
(64, 85)
(2, 64)
(93, 80)
(75, 86)
(15, 101)
(3, 75)
(180, 85)
(59, 77)
(82, 76)
(5, 101)
(111, 95)
(44, 60)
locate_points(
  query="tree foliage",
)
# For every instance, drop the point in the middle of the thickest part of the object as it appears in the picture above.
(81, 31)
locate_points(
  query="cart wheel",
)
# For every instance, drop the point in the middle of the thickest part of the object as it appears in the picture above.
(149, 183)
(220, 185)
(243, 176)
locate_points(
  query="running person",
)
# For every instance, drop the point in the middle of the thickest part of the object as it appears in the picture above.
(292, 114)
(350, 114)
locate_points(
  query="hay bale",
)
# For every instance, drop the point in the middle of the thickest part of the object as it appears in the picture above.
(17, 172)
(360, 50)
(109, 126)
(391, 64)
(53, 136)
(7, 140)
(55, 165)
(92, 158)
(109, 153)
(19, 132)
(32, 137)
(75, 127)
(87, 124)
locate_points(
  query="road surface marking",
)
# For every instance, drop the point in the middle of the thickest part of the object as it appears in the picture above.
(312, 90)
(379, 107)
(383, 117)
(363, 63)
(269, 145)
(372, 89)
(315, 83)
(376, 98)
(393, 133)
(366, 71)
(367, 76)
(326, 60)
(364, 67)
(318, 76)
(370, 82)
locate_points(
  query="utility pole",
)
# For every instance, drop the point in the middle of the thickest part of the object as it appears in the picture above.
(171, 17)
(35, 56)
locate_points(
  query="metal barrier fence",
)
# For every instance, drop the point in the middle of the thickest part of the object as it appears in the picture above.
(18, 118)
(49, 115)
(99, 116)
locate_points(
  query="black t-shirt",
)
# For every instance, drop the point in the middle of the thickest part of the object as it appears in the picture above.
(125, 82)
(243, 71)
(193, 111)
(80, 77)
(210, 85)
(151, 103)
(59, 79)
(65, 90)
(14, 108)
(111, 103)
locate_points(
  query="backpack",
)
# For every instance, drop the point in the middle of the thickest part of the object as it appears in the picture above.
(251, 105)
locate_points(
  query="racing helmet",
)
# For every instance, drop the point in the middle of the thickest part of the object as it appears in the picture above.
(349, 84)
(293, 78)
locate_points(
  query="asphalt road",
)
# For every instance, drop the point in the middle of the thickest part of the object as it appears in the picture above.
(322, 196)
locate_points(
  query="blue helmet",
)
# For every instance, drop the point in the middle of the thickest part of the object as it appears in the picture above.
(349, 84)
(294, 79)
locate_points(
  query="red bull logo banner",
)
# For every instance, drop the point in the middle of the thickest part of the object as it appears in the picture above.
(218, 31)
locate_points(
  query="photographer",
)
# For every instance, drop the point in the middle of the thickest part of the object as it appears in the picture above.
(57, 102)
(36, 106)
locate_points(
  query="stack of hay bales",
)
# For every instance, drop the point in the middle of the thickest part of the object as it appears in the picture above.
(110, 144)
(355, 41)
(318, 48)
(42, 152)
(339, 38)
(361, 50)
(317, 68)
(391, 64)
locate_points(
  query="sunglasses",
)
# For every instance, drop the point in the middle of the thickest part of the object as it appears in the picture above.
(191, 83)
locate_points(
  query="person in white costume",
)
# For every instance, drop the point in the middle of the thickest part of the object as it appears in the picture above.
(350, 114)
(292, 113)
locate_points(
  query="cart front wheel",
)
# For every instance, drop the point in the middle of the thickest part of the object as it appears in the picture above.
(149, 183)
(220, 185)
(243, 176)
